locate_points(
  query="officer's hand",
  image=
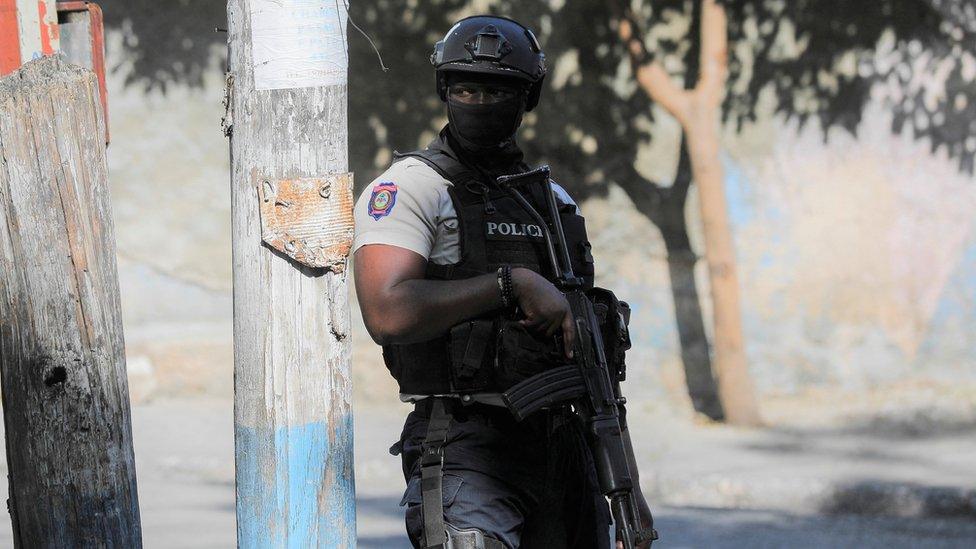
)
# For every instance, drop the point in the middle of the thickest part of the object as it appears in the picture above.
(645, 517)
(645, 545)
(545, 307)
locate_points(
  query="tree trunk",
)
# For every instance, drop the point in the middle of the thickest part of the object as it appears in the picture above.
(732, 371)
(702, 388)
(698, 110)
(65, 394)
(292, 407)
(702, 122)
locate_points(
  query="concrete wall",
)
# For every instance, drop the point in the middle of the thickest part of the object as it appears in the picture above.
(169, 174)
(857, 254)
(857, 258)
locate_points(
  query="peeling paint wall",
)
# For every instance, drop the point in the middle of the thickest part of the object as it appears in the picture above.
(848, 250)
(170, 185)
(857, 258)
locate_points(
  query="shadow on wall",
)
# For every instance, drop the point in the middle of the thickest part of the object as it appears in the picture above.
(170, 196)
(170, 42)
(810, 319)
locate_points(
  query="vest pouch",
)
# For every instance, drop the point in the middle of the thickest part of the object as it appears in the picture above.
(522, 355)
(472, 353)
(419, 368)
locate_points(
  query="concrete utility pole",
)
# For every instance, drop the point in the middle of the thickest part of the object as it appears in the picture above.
(65, 394)
(292, 230)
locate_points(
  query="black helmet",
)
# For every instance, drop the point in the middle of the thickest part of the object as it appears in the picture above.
(488, 44)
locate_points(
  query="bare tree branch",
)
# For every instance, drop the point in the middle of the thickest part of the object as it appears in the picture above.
(714, 53)
(649, 73)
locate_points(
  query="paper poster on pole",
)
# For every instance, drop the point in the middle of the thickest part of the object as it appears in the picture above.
(298, 43)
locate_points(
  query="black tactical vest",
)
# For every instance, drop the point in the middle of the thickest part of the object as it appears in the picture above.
(494, 230)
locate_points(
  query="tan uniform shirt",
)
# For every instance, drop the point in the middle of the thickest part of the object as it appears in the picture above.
(408, 206)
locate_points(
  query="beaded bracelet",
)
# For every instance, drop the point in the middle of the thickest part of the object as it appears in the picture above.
(505, 285)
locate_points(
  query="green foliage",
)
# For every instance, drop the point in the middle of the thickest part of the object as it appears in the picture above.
(823, 59)
(809, 60)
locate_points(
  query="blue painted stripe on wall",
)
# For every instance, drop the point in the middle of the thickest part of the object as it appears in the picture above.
(737, 194)
(948, 345)
(295, 486)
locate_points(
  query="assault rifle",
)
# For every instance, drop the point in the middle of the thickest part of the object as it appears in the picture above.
(587, 383)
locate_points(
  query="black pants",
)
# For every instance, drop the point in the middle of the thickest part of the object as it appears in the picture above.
(530, 484)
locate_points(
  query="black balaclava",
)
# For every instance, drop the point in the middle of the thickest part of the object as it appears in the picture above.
(486, 133)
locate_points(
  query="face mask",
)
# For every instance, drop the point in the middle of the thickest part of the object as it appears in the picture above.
(485, 126)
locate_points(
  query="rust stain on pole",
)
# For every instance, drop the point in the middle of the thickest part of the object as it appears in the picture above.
(308, 219)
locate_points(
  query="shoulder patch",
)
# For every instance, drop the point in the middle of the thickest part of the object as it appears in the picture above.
(383, 199)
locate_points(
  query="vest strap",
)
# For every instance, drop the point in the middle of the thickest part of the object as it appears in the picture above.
(449, 167)
(431, 474)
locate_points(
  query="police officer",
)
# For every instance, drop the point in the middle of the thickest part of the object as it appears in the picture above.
(452, 281)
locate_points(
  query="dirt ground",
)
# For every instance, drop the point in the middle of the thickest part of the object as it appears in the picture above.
(868, 473)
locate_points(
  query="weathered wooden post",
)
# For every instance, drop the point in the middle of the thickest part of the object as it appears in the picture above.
(292, 230)
(65, 395)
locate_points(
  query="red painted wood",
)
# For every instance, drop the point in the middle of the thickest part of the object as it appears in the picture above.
(9, 37)
(49, 31)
